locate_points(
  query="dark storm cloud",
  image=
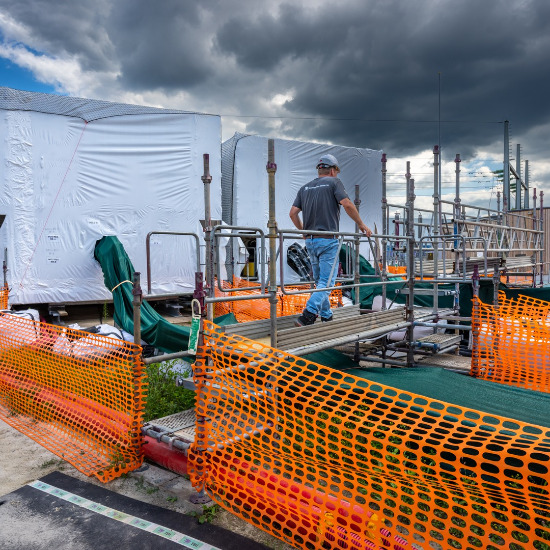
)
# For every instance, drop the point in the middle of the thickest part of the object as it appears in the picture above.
(65, 26)
(160, 44)
(360, 72)
(380, 61)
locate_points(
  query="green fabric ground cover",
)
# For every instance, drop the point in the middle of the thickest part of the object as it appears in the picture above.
(464, 391)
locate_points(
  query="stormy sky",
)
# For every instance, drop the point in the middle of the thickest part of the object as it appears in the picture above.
(397, 75)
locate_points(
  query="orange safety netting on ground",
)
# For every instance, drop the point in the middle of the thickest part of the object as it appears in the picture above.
(511, 342)
(251, 310)
(80, 395)
(322, 459)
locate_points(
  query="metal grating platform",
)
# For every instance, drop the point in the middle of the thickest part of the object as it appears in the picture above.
(181, 425)
(443, 340)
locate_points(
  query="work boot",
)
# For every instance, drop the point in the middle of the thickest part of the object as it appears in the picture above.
(326, 319)
(307, 318)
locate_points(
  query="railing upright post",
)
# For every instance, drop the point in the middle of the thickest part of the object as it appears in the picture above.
(541, 222)
(537, 238)
(357, 270)
(5, 267)
(436, 204)
(457, 230)
(209, 267)
(137, 295)
(384, 270)
(272, 226)
(411, 267)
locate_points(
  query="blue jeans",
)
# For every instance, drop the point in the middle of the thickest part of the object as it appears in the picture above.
(322, 253)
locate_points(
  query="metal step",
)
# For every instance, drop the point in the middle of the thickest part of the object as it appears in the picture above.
(438, 342)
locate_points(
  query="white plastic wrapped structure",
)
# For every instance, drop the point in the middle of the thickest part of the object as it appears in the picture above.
(245, 200)
(77, 169)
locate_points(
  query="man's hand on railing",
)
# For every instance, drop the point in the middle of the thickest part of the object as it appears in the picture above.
(364, 229)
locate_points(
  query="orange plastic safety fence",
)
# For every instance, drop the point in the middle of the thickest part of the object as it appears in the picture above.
(4, 297)
(80, 395)
(511, 342)
(252, 310)
(322, 459)
(395, 269)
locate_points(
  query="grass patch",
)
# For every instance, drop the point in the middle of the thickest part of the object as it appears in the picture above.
(163, 396)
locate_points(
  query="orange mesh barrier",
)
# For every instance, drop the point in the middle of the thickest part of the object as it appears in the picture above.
(322, 459)
(395, 269)
(511, 342)
(251, 310)
(4, 297)
(80, 395)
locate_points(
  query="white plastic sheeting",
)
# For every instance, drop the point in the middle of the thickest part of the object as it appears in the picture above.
(68, 181)
(245, 182)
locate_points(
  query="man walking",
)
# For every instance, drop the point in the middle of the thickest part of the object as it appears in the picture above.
(319, 202)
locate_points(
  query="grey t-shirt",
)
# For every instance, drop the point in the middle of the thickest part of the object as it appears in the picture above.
(319, 201)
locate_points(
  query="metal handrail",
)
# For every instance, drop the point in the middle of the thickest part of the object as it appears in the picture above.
(341, 234)
(148, 250)
(250, 231)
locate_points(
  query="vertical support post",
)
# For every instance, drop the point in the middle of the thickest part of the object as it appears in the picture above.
(384, 270)
(272, 226)
(5, 267)
(475, 281)
(474, 335)
(457, 229)
(411, 270)
(199, 294)
(537, 238)
(137, 296)
(526, 179)
(518, 178)
(499, 212)
(541, 226)
(202, 361)
(209, 267)
(357, 269)
(457, 187)
(436, 227)
(506, 167)
(535, 208)
(396, 233)
(496, 285)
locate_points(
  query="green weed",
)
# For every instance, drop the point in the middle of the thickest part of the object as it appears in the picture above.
(208, 514)
(163, 396)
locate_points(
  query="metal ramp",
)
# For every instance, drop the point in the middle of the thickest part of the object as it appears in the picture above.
(348, 325)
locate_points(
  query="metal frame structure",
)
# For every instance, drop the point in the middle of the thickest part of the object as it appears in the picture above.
(458, 244)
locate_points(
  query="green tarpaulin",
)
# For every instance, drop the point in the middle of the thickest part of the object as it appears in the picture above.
(118, 268)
